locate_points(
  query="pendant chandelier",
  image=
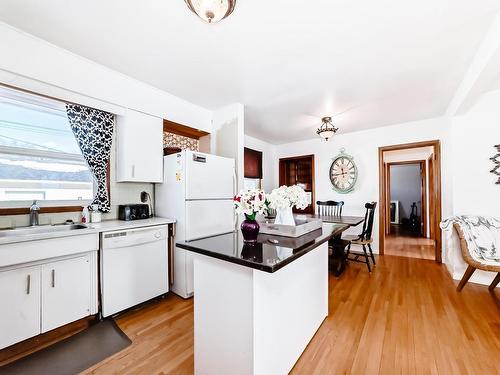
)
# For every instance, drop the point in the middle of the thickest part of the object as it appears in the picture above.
(327, 130)
(211, 11)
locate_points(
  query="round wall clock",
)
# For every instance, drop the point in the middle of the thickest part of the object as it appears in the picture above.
(343, 173)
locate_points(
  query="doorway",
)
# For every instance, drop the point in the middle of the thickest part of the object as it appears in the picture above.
(410, 200)
(299, 170)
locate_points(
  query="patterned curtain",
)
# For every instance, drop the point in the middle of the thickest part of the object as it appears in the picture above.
(93, 130)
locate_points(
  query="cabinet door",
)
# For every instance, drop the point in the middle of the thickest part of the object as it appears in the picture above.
(66, 292)
(139, 148)
(20, 301)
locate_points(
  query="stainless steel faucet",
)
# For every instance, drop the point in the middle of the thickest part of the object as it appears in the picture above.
(34, 212)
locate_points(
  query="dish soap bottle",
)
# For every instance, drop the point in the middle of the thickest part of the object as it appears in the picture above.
(85, 215)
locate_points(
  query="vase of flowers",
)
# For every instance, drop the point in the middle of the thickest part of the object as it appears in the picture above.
(250, 203)
(284, 199)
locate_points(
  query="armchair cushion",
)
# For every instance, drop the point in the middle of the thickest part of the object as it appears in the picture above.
(482, 236)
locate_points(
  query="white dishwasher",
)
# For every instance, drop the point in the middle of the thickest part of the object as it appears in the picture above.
(134, 267)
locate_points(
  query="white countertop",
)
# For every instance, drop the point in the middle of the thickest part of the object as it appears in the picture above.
(103, 226)
(110, 225)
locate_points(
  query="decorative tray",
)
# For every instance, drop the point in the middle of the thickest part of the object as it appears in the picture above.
(303, 225)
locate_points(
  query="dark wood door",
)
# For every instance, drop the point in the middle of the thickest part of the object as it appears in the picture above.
(299, 170)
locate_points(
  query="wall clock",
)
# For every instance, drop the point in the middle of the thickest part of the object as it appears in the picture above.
(343, 173)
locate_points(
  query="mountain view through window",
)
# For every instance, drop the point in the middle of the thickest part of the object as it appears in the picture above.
(39, 156)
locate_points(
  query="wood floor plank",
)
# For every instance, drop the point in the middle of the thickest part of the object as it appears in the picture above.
(409, 246)
(403, 318)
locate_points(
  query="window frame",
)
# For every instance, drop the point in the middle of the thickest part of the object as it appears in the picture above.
(47, 203)
(47, 206)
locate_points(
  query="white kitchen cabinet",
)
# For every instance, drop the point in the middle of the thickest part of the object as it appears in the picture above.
(66, 291)
(139, 148)
(20, 301)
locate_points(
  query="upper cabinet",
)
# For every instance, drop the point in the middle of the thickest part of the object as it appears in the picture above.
(139, 148)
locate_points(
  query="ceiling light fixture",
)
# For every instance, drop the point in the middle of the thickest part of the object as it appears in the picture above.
(211, 11)
(327, 130)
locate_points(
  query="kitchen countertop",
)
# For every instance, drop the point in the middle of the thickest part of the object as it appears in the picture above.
(265, 255)
(103, 226)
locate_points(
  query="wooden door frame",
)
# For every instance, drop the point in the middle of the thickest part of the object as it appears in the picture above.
(313, 175)
(430, 164)
(435, 190)
(423, 192)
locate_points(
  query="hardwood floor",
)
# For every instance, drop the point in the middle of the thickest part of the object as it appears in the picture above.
(410, 246)
(404, 318)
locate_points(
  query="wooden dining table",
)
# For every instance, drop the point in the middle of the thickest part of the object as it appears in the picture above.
(339, 257)
(352, 221)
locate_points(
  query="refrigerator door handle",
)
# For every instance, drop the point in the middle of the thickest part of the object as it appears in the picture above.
(235, 183)
(235, 192)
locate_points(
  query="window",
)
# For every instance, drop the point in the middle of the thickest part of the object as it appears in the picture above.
(253, 169)
(39, 156)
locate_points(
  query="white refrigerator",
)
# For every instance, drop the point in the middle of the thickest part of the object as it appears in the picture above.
(197, 191)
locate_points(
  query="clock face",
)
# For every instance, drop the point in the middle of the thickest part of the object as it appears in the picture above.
(343, 174)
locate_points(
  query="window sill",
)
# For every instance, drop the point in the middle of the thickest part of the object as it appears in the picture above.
(47, 207)
(43, 210)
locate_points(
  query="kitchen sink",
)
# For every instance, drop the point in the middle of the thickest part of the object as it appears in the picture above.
(24, 231)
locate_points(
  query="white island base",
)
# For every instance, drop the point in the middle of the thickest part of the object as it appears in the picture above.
(248, 321)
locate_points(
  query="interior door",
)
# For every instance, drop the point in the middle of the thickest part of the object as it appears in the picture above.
(209, 176)
(20, 298)
(65, 292)
(299, 171)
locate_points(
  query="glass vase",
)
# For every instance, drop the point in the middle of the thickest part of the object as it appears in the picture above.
(250, 229)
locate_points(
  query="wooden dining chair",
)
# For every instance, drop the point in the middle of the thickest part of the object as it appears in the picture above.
(330, 208)
(364, 239)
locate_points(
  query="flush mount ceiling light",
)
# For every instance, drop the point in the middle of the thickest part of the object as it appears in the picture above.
(327, 130)
(211, 11)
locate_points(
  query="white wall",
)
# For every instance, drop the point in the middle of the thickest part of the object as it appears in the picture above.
(228, 136)
(474, 134)
(474, 190)
(363, 146)
(405, 188)
(269, 162)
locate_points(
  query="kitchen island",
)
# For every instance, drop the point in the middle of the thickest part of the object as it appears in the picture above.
(257, 306)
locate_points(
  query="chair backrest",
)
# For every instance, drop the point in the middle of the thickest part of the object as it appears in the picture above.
(330, 208)
(368, 223)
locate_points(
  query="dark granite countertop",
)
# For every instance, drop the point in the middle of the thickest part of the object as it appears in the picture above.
(265, 255)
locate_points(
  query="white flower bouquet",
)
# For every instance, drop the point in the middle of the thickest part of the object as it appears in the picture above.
(250, 203)
(283, 199)
(288, 197)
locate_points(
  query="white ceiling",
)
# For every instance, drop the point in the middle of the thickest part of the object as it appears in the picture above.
(289, 61)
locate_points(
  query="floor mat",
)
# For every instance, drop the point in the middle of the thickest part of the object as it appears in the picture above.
(74, 354)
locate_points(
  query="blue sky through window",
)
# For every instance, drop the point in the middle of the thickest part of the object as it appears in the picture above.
(24, 125)
(42, 169)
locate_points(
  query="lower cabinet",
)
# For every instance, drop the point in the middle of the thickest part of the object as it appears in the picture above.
(66, 291)
(20, 311)
(45, 296)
